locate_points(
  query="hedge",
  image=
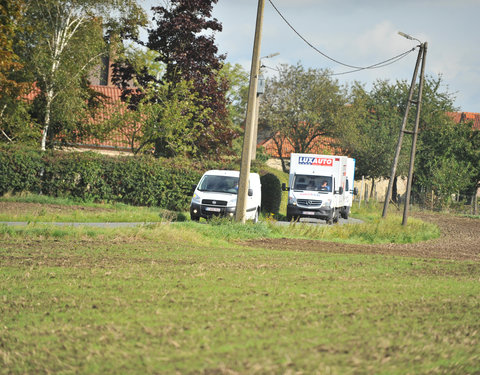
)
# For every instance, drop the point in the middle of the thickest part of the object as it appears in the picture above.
(165, 183)
(140, 181)
(271, 193)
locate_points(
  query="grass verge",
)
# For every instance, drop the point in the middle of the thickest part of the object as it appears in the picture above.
(39, 208)
(373, 230)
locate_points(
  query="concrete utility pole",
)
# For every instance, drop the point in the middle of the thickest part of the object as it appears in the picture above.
(250, 122)
(414, 137)
(421, 57)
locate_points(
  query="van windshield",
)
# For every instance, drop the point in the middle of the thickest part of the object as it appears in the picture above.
(312, 183)
(219, 184)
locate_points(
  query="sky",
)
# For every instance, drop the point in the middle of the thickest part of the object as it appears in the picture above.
(361, 33)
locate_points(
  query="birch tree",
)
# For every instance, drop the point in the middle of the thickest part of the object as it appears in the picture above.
(63, 41)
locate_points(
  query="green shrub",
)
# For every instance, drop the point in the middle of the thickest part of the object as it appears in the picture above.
(271, 193)
(20, 170)
(79, 175)
(144, 180)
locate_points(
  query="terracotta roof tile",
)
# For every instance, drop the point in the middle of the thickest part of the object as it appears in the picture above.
(322, 145)
(466, 117)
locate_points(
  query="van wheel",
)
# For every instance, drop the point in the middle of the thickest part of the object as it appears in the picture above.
(195, 218)
(255, 218)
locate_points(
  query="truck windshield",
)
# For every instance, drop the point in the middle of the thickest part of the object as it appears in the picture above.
(219, 184)
(312, 183)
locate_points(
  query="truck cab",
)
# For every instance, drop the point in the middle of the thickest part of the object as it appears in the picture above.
(319, 187)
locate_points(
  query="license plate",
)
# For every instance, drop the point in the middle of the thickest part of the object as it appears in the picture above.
(212, 209)
(308, 213)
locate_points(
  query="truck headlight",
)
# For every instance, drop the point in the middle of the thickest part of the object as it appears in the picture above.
(196, 199)
(232, 202)
(327, 203)
(292, 200)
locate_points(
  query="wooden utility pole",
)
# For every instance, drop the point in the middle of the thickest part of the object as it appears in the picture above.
(250, 121)
(421, 58)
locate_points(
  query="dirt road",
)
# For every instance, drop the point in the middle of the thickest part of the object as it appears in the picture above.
(460, 240)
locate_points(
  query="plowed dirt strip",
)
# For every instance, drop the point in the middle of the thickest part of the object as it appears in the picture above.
(460, 240)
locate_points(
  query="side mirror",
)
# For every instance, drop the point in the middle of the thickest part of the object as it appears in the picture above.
(284, 187)
(250, 192)
(340, 190)
(355, 191)
(193, 189)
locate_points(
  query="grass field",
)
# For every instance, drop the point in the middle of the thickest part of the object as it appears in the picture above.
(188, 298)
(40, 208)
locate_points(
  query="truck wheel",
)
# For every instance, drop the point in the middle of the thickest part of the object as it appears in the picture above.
(345, 212)
(336, 216)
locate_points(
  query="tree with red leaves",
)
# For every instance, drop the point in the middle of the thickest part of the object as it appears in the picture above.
(189, 54)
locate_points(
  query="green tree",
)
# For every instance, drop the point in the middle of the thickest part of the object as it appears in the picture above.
(10, 17)
(184, 42)
(371, 123)
(368, 128)
(61, 43)
(165, 118)
(299, 106)
(448, 160)
(13, 112)
(237, 93)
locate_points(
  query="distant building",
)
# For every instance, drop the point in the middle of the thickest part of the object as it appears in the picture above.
(459, 117)
(326, 145)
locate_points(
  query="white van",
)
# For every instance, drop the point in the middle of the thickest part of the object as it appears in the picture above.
(216, 195)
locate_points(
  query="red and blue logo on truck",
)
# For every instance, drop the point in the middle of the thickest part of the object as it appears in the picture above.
(308, 160)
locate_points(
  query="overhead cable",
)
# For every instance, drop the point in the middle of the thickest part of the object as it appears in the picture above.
(379, 65)
(356, 68)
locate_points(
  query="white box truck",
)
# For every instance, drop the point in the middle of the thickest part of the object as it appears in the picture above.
(216, 195)
(320, 186)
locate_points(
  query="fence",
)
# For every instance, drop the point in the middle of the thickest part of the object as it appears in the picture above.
(376, 191)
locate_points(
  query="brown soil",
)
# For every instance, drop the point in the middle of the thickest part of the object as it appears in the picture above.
(460, 240)
(19, 208)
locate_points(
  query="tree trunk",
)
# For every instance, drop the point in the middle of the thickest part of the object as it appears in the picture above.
(284, 166)
(279, 146)
(475, 201)
(394, 190)
(46, 125)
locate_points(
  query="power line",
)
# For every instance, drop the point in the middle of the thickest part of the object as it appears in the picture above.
(378, 65)
(356, 68)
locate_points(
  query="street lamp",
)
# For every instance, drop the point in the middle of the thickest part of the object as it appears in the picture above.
(260, 91)
(421, 57)
(408, 36)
